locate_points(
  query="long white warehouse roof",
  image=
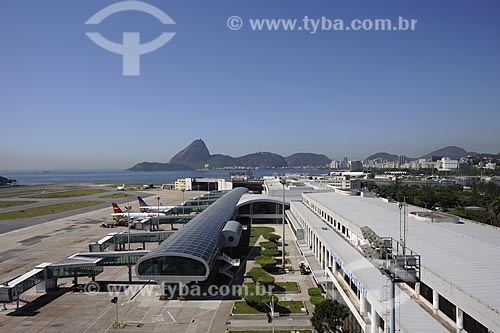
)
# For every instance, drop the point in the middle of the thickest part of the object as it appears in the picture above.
(461, 260)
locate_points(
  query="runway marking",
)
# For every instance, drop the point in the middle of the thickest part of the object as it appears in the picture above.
(69, 306)
(145, 314)
(99, 317)
(157, 318)
(171, 316)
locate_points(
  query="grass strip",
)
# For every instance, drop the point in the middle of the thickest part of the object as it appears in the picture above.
(7, 204)
(256, 232)
(283, 307)
(286, 287)
(116, 195)
(66, 194)
(47, 210)
(276, 331)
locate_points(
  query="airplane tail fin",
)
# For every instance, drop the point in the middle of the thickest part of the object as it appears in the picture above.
(142, 203)
(116, 209)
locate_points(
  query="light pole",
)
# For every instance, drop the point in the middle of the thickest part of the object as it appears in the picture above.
(183, 200)
(198, 194)
(115, 301)
(128, 208)
(158, 213)
(283, 182)
(271, 307)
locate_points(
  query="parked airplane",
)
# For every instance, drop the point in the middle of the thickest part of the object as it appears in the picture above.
(144, 207)
(121, 188)
(118, 214)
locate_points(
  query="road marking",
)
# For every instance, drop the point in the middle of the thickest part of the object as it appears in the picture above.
(196, 315)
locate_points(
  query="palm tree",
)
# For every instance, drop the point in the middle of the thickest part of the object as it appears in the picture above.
(494, 211)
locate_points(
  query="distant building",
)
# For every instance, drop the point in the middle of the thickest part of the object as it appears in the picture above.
(447, 164)
(343, 182)
(203, 184)
(422, 163)
(402, 159)
(490, 166)
(334, 164)
(344, 164)
(183, 184)
(355, 165)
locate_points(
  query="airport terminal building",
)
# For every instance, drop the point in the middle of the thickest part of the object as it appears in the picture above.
(190, 254)
(459, 286)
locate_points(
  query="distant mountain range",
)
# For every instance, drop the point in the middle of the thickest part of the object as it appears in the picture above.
(196, 155)
(452, 152)
(383, 156)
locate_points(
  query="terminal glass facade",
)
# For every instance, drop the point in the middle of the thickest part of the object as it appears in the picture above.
(171, 265)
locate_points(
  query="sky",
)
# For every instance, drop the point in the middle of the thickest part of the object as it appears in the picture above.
(65, 103)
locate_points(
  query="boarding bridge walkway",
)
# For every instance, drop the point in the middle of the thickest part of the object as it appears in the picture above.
(116, 240)
(45, 275)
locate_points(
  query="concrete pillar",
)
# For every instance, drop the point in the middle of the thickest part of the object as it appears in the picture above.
(417, 288)
(392, 307)
(325, 259)
(322, 256)
(460, 319)
(435, 300)
(363, 306)
(320, 252)
(46, 285)
(375, 321)
(316, 250)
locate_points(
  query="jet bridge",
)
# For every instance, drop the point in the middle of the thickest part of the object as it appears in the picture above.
(45, 275)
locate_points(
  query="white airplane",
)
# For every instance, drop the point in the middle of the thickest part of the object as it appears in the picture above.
(118, 214)
(144, 207)
(121, 188)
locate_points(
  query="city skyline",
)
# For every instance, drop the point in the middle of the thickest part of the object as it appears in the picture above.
(67, 105)
(337, 157)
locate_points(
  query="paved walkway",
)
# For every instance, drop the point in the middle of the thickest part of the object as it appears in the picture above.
(305, 282)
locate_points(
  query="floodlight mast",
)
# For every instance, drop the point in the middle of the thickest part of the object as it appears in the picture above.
(283, 182)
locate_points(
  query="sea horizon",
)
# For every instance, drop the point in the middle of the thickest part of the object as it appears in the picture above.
(37, 177)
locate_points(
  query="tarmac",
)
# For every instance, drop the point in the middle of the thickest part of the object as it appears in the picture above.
(139, 308)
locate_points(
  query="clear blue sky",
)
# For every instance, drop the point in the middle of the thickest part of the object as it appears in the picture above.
(64, 103)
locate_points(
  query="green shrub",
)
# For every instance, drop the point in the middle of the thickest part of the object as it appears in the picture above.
(259, 302)
(260, 276)
(269, 252)
(251, 289)
(314, 291)
(315, 300)
(272, 237)
(269, 245)
(265, 261)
